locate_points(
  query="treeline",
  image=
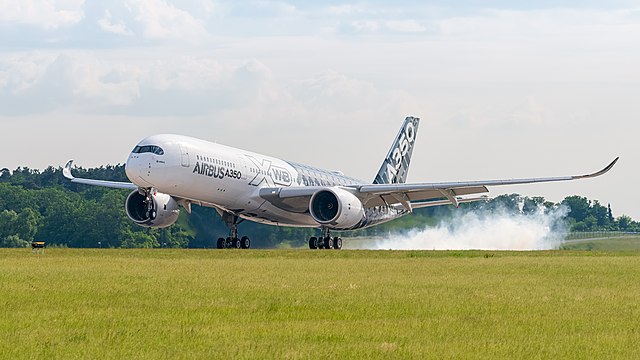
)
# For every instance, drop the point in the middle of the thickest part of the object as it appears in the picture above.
(44, 206)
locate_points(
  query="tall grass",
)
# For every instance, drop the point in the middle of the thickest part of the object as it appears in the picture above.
(300, 304)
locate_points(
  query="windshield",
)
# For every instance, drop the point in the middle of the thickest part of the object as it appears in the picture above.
(148, 149)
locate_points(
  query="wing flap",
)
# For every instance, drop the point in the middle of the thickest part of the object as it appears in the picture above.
(423, 204)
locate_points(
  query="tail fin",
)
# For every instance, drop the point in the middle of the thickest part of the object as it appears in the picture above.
(395, 167)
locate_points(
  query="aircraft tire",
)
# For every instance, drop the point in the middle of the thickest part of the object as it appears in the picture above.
(221, 243)
(328, 243)
(236, 243)
(337, 243)
(245, 242)
(313, 243)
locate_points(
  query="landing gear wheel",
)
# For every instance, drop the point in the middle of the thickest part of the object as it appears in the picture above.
(236, 243)
(245, 242)
(313, 243)
(337, 243)
(328, 242)
(221, 243)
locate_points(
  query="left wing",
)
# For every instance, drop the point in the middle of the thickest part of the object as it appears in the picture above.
(411, 196)
(111, 184)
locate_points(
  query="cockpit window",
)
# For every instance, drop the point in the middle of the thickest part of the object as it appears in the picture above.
(148, 149)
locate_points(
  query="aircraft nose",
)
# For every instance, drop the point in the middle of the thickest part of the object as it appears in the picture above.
(132, 169)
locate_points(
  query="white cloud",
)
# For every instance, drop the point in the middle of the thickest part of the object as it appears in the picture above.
(365, 25)
(83, 82)
(19, 72)
(405, 26)
(391, 26)
(46, 14)
(108, 25)
(552, 23)
(276, 8)
(345, 9)
(162, 20)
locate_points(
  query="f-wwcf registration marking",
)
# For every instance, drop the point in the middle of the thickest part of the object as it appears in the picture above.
(269, 174)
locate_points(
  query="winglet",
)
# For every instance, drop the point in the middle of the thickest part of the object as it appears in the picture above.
(601, 172)
(67, 170)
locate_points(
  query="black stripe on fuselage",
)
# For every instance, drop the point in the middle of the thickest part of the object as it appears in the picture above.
(312, 176)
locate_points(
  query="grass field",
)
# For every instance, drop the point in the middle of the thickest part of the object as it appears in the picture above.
(606, 244)
(300, 304)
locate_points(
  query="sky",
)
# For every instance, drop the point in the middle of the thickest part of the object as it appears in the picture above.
(505, 89)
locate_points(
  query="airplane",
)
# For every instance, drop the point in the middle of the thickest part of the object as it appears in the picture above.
(172, 171)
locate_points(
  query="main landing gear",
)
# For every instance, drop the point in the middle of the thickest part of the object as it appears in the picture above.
(325, 241)
(232, 241)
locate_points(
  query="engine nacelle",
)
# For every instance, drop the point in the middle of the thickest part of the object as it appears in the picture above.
(163, 212)
(336, 208)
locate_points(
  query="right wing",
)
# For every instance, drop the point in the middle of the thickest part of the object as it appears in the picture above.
(111, 184)
(380, 194)
(410, 196)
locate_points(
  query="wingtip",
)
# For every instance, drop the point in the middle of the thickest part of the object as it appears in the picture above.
(611, 165)
(66, 171)
(608, 167)
(601, 172)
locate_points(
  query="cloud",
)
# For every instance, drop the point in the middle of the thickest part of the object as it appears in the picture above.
(345, 9)
(162, 20)
(108, 25)
(166, 85)
(387, 26)
(559, 22)
(263, 9)
(365, 25)
(45, 14)
(405, 26)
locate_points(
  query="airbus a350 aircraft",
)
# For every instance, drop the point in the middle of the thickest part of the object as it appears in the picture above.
(169, 171)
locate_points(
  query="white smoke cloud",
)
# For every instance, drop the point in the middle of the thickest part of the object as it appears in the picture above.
(480, 230)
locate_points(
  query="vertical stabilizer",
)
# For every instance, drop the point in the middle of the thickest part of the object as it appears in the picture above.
(396, 165)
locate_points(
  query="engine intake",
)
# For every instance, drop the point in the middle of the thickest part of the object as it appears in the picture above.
(336, 208)
(160, 212)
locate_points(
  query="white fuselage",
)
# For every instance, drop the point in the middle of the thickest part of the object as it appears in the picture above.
(227, 178)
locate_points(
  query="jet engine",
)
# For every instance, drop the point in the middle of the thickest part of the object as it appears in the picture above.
(155, 210)
(336, 208)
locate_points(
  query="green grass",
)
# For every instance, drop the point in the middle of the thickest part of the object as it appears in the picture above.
(608, 244)
(301, 304)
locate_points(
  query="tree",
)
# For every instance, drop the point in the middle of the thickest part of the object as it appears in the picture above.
(610, 214)
(7, 223)
(13, 241)
(138, 239)
(600, 213)
(624, 222)
(26, 225)
(533, 205)
(579, 206)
